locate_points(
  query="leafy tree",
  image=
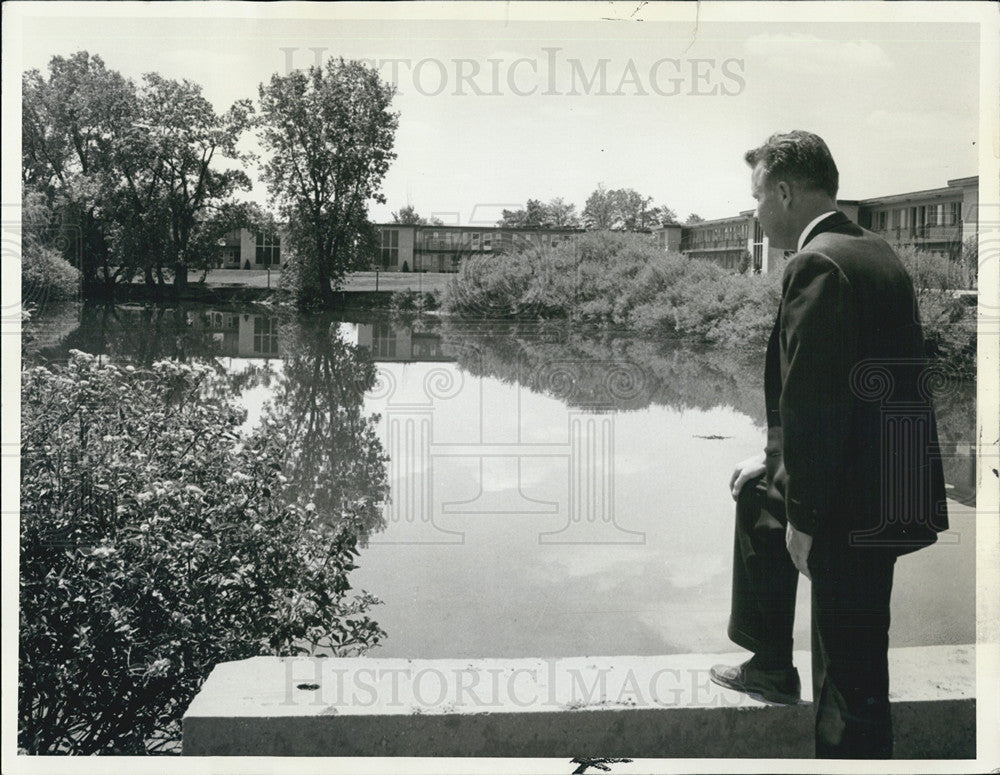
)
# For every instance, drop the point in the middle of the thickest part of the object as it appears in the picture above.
(408, 216)
(71, 126)
(694, 218)
(555, 214)
(184, 135)
(330, 134)
(131, 169)
(666, 217)
(157, 540)
(622, 209)
(532, 216)
(634, 213)
(601, 210)
(561, 214)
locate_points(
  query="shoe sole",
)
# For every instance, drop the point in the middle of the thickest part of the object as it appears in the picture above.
(767, 699)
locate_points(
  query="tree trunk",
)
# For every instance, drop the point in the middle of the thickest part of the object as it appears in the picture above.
(180, 278)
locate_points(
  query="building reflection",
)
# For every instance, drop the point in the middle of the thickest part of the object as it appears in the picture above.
(238, 334)
(392, 341)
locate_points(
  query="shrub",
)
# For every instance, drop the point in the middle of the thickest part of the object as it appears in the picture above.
(949, 325)
(608, 277)
(930, 271)
(45, 275)
(949, 322)
(623, 279)
(156, 540)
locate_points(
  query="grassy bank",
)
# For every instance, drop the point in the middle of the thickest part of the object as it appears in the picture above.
(625, 280)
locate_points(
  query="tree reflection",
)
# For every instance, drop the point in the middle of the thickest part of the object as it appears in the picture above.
(335, 460)
(609, 370)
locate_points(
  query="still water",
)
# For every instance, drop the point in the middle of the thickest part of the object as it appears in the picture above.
(551, 492)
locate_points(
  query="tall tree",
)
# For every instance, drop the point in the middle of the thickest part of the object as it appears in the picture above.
(132, 169)
(71, 124)
(693, 218)
(330, 134)
(185, 135)
(601, 210)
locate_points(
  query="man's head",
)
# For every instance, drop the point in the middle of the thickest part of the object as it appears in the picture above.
(794, 180)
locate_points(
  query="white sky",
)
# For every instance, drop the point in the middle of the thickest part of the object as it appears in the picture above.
(896, 102)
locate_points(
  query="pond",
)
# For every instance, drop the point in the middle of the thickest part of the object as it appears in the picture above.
(552, 492)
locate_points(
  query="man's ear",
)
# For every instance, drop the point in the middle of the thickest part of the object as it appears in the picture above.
(784, 192)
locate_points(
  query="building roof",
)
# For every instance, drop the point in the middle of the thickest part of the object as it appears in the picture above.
(930, 193)
(474, 227)
(927, 193)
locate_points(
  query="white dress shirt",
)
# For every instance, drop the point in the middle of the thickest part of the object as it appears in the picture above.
(810, 226)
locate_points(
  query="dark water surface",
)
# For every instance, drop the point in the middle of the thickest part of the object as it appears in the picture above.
(553, 492)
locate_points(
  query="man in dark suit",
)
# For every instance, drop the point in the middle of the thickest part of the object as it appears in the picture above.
(850, 477)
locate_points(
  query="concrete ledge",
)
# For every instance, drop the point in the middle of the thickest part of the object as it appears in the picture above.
(582, 706)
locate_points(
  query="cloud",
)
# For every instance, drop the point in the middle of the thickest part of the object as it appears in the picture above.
(801, 53)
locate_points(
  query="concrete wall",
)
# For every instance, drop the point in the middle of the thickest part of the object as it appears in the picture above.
(656, 707)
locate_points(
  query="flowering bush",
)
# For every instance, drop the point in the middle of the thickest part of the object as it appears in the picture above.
(156, 540)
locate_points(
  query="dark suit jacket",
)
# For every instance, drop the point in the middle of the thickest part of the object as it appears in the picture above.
(852, 450)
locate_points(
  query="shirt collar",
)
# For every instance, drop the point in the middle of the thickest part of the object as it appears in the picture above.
(811, 225)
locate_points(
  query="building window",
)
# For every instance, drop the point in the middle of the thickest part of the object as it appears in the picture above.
(956, 213)
(932, 215)
(268, 249)
(265, 335)
(487, 242)
(383, 341)
(476, 240)
(880, 220)
(389, 252)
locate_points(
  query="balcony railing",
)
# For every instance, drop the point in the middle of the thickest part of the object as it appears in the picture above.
(926, 232)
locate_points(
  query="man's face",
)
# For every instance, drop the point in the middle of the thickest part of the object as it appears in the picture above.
(772, 210)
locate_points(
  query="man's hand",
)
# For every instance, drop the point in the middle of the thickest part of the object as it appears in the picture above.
(749, 469)
(799, 544)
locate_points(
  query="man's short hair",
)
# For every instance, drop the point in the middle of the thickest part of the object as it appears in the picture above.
(799, 156)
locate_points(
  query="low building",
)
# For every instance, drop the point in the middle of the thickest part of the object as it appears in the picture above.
(436, 248)
(246, 249)
(937, 220)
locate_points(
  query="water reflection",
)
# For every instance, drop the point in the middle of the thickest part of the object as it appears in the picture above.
(523, 489)
(596, 370)
(335, 460)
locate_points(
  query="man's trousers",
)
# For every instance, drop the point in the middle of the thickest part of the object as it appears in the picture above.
(851, 588)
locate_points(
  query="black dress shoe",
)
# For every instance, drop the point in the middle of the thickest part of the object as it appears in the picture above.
(778, 687)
